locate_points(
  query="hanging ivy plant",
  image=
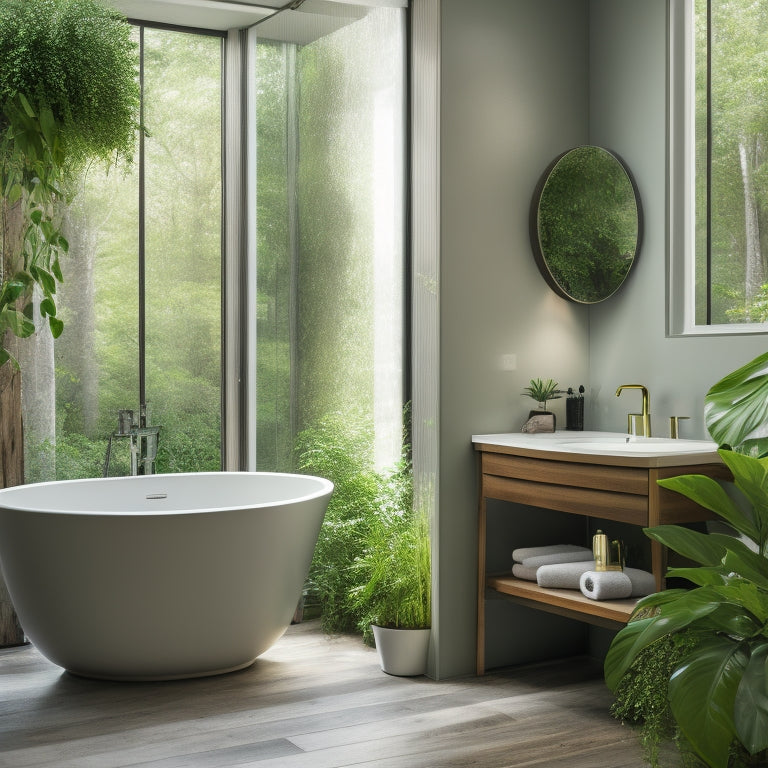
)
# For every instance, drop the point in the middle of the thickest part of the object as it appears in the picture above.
(69, 94)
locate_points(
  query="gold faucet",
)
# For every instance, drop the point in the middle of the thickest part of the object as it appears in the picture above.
(645, 416)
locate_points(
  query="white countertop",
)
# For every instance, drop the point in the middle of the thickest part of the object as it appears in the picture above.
(597, 443)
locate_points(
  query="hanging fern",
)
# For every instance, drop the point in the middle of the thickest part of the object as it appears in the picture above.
(68, 94)
(76, 58)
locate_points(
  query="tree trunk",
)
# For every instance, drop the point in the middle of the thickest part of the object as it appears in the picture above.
(11, 422)
(35, 356)
(11, 473)
(754, 273)
(77, 343)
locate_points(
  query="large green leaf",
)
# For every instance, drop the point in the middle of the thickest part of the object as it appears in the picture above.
(750, 475)
(702, 692)
(701, 576)
(750, 708)
(748, 564)
(711, 495)
(730, 615)
(736, 408)
(701, 547)
(751, 598)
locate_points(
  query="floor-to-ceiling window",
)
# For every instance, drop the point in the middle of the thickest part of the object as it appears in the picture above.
(324, 221)
(330, 224)
(141, 297)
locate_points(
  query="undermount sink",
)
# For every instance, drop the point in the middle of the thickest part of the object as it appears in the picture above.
(637, 445)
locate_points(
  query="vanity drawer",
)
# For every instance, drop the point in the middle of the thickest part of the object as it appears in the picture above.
(609, 505)
(632, 480)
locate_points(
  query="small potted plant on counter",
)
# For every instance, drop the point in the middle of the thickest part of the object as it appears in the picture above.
(541, 390)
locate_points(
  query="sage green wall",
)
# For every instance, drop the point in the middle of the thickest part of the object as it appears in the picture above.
(627, 333)
(513, 96)
(523, 80)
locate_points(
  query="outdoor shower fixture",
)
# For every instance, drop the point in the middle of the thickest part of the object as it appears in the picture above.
(143, 441)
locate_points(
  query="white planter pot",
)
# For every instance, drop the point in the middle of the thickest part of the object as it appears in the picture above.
(402, 652)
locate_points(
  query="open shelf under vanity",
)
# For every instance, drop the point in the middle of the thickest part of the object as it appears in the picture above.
(620, 488)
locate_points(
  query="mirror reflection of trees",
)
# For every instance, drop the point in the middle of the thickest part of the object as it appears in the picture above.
(587, 224)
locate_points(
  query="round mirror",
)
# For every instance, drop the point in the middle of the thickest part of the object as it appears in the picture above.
(585, 224)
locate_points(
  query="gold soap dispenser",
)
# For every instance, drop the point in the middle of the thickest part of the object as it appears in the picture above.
(609, 555)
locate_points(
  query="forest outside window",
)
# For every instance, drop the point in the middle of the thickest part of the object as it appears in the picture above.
(719, 169)
(319, 259)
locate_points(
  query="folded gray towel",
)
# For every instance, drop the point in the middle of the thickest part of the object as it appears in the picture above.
(563, 575)
(643, 582)
(521, 571)
(518, 555)
(575, 555)
(605, 585)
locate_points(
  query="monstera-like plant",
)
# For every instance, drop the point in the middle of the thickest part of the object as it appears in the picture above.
(736, 409)
(718, 691)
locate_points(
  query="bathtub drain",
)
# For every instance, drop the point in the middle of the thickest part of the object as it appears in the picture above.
(157, 495)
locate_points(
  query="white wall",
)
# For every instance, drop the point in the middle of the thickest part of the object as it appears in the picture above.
(513, 96)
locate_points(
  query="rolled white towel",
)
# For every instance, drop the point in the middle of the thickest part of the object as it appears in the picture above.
(576, 555)
(605, 585)
(643, 582)
(518, 555)
(520, 571)
(563, 575)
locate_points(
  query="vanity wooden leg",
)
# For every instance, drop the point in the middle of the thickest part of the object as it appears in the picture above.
(658, 552)
(481, 532)
(658, 564)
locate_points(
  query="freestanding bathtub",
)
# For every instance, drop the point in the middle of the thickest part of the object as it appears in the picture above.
(159, 577)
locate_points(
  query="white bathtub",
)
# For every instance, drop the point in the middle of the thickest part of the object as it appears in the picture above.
(159, 576)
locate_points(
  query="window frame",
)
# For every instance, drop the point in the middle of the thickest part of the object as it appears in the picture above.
(681, 256)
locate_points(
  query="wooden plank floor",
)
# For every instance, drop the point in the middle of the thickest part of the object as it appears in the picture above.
(311, 702)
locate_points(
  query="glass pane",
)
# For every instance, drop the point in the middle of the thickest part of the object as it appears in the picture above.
(739, 128)
(330, 245)
(182, 83)
(97, 357)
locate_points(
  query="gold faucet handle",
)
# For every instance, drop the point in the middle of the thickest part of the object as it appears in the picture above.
(674, 426)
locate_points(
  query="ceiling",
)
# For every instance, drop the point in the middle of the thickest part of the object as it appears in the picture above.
(314, 19)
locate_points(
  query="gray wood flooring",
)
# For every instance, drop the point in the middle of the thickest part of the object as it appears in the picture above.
(311, 702)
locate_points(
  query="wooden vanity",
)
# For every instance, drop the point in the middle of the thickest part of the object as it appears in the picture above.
(542, 470)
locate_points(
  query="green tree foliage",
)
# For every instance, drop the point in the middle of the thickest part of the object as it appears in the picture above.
(339, 448)
(97, 365)
(372, 560)
(739, 159)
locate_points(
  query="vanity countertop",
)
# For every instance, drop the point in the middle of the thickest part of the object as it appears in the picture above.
(612, 448)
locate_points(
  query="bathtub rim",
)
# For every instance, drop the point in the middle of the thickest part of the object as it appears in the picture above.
(7, 495)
